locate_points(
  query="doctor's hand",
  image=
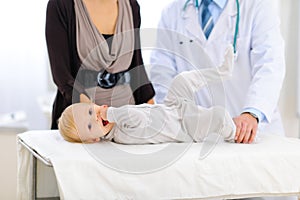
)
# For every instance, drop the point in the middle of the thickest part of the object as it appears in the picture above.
(246, 128)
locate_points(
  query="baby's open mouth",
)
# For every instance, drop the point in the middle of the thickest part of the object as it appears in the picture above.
(104, 122)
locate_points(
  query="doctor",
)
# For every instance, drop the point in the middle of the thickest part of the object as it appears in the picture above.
(188, 39)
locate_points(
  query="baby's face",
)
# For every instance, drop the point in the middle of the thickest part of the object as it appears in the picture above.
(90, 125)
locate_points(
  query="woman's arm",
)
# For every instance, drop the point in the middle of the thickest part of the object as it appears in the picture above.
(59, 48)
(142, 88)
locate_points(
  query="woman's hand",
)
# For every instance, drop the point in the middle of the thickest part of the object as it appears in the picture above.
(103, 112)
(151, 101)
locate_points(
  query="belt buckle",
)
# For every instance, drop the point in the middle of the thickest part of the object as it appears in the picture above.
(106, 80)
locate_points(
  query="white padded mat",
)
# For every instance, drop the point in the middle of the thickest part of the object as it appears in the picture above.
(270, 167)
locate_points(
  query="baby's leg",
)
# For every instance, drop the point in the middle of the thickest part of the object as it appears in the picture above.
(187, 83)
(209, 120)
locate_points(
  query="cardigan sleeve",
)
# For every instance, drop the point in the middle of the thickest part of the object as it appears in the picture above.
(59, 50)
(141, 86)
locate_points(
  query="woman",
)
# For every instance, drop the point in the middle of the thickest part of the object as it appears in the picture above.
(76, 35)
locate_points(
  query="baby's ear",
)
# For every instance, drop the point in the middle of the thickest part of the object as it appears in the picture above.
(89, 141)
(96, 140)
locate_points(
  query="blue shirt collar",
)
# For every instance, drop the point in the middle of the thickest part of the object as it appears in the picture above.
(220, 3)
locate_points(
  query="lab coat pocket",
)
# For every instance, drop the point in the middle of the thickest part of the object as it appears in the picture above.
(243, 43)
(242, 48)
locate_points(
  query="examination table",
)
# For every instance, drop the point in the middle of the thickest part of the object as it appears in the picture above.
(106, 170)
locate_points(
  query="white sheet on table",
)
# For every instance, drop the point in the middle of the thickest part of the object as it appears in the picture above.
(269, 167)
(24, 170)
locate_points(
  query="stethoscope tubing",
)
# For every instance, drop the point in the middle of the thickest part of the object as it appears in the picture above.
(236, 25)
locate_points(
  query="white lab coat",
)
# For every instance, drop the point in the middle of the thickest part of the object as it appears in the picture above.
(259, 67)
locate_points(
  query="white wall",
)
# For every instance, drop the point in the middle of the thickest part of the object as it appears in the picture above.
(289, 13)
(23, 58)
(23, 77)
(8, 156)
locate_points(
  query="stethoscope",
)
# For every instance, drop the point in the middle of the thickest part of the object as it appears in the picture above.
(236, 24)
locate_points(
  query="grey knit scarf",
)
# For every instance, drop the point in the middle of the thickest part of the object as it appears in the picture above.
(92, 47)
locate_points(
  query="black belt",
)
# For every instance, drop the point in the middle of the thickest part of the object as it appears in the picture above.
(103, 79)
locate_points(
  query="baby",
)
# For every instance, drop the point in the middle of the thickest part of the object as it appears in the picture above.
(179, 119)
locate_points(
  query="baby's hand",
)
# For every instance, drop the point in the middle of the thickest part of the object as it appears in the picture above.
(103, 112)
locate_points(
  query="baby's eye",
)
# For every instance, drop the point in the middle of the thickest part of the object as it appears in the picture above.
(89, 126)
(90, 111)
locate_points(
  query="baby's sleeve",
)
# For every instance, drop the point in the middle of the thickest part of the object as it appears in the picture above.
(127, 117)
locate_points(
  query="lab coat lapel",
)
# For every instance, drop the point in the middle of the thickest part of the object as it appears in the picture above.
(226, 21)
(192, 23)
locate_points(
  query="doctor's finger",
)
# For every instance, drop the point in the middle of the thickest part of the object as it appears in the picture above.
(253, 134)
(243, 132)
(238, 130)
(247, 135)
